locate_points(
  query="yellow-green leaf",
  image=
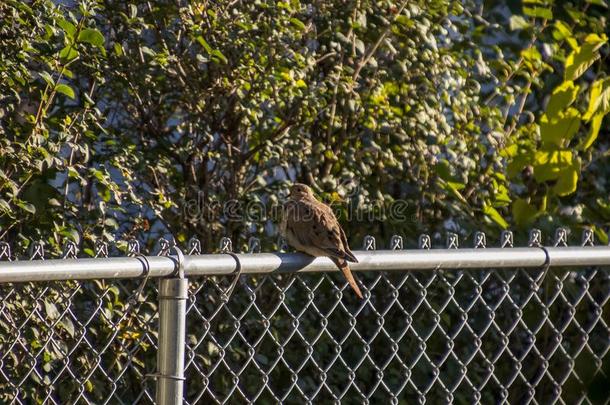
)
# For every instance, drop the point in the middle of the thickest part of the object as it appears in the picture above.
(47, 78)
(531, 54)
(454, 188)
(27, 207)
(579, 60)
(563, 96)
(91, 36)
(523, 212)
(297, 23)
(562, 31)
(541, 12)
(65, 89)
(495, 216)
(204, 44)
(594, 127)
(567, 181)
(548, 164)
(559, 130)
(5, 205)
(219, 55)
(599, 98)
(67, 27)
(68, 53)
(517, 22)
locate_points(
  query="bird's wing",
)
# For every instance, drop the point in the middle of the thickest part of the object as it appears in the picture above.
(314, 224)
(349, 256)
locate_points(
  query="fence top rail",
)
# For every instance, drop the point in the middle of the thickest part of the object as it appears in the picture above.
(266, 263)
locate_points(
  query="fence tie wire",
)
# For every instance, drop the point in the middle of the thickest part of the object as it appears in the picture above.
(226, 246)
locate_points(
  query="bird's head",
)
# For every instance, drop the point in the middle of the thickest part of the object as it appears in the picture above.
(300, 191)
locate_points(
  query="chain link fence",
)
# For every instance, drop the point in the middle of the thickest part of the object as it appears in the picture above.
(490, 335)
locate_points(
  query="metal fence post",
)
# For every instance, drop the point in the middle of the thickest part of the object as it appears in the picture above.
(172, 327)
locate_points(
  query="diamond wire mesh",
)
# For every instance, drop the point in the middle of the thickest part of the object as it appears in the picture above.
(68, 342)
(76, 342)
(466, 336)
(429, 336)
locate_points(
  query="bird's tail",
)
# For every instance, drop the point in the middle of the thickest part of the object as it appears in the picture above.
(344, 267)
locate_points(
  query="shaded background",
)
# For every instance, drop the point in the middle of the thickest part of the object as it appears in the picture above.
(143, 119)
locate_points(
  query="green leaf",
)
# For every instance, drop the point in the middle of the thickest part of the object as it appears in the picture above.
(454, 188)
(297, 23)
(65, 89)
(567, 181)
(219, 55)
(562, 97)
(27, 207)
(67, 324)
(517, 22)
(4, 206)
(51, 310)
(404, 20)
(562, 31)
(47, 78)
(523, 212)
(118, 49)
(21, 6)
(443, 169)
(596, 124)
(68, 53)
(531, 54)
(204, 44)
(560, 129)
(91, 36)
(495, 216)
(579, 60)
(111, 222)
(67, 27)
(517, 163)
(541, 12)
(549, 164)
(599, 98)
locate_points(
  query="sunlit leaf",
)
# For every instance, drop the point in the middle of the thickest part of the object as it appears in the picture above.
(492, 213)
(47, 78)
(297, 23)
(549, 164)
(523, 212)
(594, 127)
(567, 181)
(541, 12)
(579, 60)
(220, 56)
(65, 89)
(562, 97)
(599, 98)
(517, 22)
(561, 128)
(91, 36)
(68, 53)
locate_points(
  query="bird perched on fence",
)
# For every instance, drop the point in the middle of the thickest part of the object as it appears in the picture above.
(310, 226)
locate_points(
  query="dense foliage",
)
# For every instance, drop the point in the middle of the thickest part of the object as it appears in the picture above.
(141, 119)
(116, 116)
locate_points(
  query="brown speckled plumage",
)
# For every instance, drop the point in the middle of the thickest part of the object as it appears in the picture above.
(311, 227)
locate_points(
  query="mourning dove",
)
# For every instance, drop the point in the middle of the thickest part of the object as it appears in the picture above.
(311, 227)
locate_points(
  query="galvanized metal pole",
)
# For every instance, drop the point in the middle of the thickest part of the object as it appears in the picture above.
(172, 326)
(266, 263)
